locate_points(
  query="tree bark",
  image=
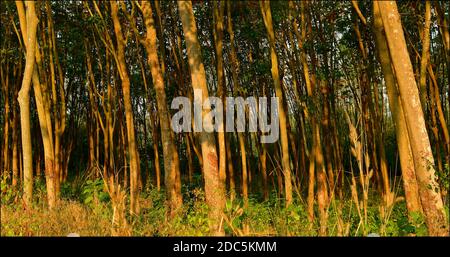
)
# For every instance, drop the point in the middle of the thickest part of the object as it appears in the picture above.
(132, 148)
(267, 15)
(420, 145)
(24, 99)
(171, 160)
(406, 159)
(215, 196)
(218, 40)
(425, 56)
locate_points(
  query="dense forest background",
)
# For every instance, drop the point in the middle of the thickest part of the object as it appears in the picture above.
(87, 146)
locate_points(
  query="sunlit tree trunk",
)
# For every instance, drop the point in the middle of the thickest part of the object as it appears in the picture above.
(58, 100)
(401, 132)
(24, 97)
(132, 148)
(171, 161)
(43, 110)
(420, 145)
(435, 94)
(157, 166)
(215, 195)
(267, 16)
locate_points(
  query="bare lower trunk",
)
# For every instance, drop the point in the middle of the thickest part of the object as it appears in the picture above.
(132, 148)
(218, 40)
(171, 161)
(401, 132)
(244, 168)
(24, 99)
(267, 15)
(215, 195)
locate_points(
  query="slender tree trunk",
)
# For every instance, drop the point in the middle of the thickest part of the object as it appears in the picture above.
(263, 158)
(189, 158)
(230, 168)
(156, 155)
(5, 148)
(15, 148)
(322, 191)
(244, 181)
(218, 40)
(437, 100)
(267, 15)
(24, 99)
(425, 56)
(171, 161)
(215, 195)
(58, 107)
(43, 110)
(234, 77)
(132, 148)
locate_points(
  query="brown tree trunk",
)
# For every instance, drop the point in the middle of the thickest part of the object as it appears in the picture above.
(401, 132)
(267, 15)
(244, 168)
(420, 145)
(234, 70)
(24, 98)
(171, 161)
(425, 56)
(132, 148)
(215, 195)
(5, 148)
(263, 158)
(218, 40)
(156, 154)
(15, 148)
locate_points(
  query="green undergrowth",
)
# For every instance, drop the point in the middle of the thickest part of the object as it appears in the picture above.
(85, 208)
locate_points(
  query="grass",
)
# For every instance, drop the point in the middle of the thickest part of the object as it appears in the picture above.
(90, 214)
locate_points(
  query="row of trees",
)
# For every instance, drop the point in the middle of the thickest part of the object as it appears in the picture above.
(358, 86)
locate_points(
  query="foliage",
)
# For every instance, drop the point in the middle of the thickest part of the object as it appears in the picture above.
(266, 218)
(444, 177)
(7, 192)
(93, 192)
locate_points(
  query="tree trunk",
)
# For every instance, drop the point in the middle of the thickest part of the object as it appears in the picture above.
(425, 56)
(24, 99)
(267, 15)
(218, 40)
(401, 132)
(420, 145)
(132, 148)
(244, 181)
(215, 195)
(171, 161)
(15, 148)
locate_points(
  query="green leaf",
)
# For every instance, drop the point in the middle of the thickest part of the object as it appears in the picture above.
(88, 199)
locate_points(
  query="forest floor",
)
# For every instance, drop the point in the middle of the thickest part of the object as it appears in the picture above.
(88, 211)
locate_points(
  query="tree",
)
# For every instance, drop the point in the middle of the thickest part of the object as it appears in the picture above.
(418, 136)
(132, 149)
(29, 36)
(267, 17)
(171, 160)
(401, 132)
(213, 188)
